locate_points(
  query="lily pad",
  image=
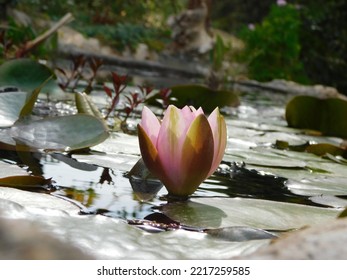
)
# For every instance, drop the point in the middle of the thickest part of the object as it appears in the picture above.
(37, 202)
(7, 169)
(325, 115)
(27, 182)
(27, 75)
(200, 96)
(263, 157)
(117, 239)
(239, 234)
(11, 104)
(257, 213)
(320, 149)
(64, 133)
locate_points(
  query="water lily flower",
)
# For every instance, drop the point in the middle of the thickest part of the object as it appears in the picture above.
(184, 149)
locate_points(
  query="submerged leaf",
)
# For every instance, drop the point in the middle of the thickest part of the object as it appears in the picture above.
(64, 133)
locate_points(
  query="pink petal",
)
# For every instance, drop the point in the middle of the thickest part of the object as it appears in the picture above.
(149, 153)
(170, 140)
(196, 159)
(219, 132)
(150, 124)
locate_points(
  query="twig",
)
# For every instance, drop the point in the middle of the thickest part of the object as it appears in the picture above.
(38, 40)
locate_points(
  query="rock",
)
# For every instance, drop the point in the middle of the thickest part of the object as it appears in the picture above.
(287, 87)
(189, 30)
(69, 40)
(320, 242)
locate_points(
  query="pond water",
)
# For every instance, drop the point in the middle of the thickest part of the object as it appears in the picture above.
(257, 187)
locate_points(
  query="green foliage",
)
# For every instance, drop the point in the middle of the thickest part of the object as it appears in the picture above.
(122, 34)
(273, 46)
(324, 41)
(14, 36)
(232, 15)
(118, 23)
(218, 53)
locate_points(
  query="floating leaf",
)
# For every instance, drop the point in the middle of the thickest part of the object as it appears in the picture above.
(321, 149)
(27, 182)
(239, 233)
(225, 212)
(27, 75)
(64, 133)
(11, 104)
(325, 115)
(200, 96)
(17, 201)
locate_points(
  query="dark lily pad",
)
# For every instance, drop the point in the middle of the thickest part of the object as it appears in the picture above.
(27, 75)
(200, 96)
(343, 214)
(65, 133)
(325, 115)
(321, 149)
(27, 182)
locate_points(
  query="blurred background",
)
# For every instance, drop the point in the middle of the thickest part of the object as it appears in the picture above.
(299, 40)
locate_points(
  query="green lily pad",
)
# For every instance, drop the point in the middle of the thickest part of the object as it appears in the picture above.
(11, 104)
(200, 96)
(263, 157)
(64, 133)
(325, 115)
(257, 213)
(27, 75)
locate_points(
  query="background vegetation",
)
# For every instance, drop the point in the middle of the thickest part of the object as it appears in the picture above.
(305, 40)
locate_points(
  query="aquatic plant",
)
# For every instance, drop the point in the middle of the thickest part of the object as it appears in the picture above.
(184, 149)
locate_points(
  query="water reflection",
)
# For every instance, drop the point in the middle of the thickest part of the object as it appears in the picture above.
(133, 195)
